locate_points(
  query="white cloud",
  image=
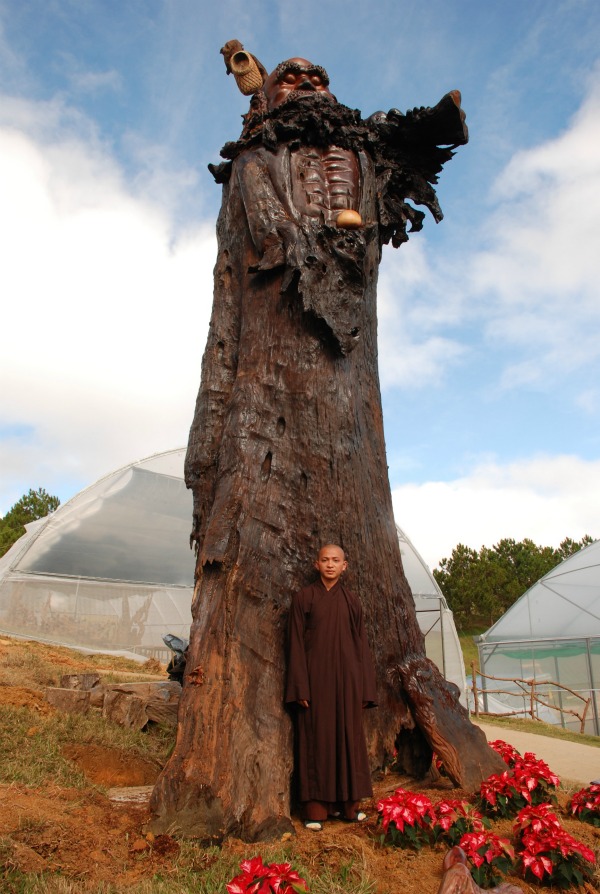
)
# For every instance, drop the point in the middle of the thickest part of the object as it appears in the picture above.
(531, 294)
(412, 307)
(95, 81)
(545, 498)
(105, 311)
(537, 284)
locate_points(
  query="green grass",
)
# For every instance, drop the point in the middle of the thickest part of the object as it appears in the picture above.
(539, 728)
(468, 647)
(36, 665)
(203, 871)
(31, 746)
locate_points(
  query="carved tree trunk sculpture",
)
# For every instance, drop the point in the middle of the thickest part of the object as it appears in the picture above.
(287, 452)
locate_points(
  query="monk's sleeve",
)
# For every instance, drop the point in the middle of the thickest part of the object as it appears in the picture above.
(368, 669)
(298, 687)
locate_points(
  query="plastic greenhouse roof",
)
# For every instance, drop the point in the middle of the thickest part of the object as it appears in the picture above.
(565, 603)
(132, 525)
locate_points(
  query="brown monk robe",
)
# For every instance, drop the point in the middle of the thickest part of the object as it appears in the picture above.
(331, 678)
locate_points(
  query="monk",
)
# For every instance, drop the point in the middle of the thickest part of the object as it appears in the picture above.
(331, 679)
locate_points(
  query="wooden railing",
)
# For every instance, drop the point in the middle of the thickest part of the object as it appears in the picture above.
(530, 694)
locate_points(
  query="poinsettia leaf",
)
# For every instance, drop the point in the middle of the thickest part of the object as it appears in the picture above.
(234, 887)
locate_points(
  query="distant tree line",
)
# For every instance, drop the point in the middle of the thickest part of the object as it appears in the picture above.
(480, 586)
(35, 504)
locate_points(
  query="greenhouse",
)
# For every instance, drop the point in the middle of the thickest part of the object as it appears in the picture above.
(435, 618)
(111, 571)
(551, 636)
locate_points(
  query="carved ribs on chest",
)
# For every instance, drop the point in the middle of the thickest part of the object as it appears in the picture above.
(324, 182)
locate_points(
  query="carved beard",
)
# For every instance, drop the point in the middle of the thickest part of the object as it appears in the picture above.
(317, 96)
(317, 118)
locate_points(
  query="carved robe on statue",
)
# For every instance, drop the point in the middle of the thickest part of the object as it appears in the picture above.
(279, 271)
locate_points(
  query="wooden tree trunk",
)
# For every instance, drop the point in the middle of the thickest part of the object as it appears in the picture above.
(286, 453)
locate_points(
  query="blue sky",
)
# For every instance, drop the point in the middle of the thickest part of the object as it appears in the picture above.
(489, 322)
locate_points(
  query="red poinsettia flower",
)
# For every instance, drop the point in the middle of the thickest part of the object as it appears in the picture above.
(485, 846)
(405, 808)
(585, 804)
(556, 845)
(497, 783)
(538, 769)
(256, 878)
(454, 812)
(283, 877)
(535, 818)
(507, 752)
(537, 865)
(255, 866)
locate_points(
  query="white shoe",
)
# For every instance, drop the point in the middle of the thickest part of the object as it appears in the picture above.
(359, 817)
(313, 825)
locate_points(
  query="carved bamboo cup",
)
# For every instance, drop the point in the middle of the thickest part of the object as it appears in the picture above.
(246, 72)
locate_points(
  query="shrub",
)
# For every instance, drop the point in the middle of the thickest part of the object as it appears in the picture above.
(585, 804)
(489, 855)
(530, 781)
(553, 857)
(453, 818)
(256, 878)
(507, 752)
(407, 819)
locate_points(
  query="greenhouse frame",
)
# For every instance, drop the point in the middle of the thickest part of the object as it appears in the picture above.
(112, 571)
(551, 635)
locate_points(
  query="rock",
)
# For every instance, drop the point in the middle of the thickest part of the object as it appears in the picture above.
(124, 709)
(79, 681)
(130, 794)
(72, 701)
(128, 704)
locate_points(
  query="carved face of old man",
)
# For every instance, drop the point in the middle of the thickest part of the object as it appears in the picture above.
(294, 78)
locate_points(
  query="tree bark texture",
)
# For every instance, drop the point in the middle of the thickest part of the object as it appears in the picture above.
(286, 453)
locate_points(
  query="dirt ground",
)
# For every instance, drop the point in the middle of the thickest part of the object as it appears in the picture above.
(86, 836)
(90, 838)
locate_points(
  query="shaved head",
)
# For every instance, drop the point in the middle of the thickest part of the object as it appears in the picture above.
(328, 546)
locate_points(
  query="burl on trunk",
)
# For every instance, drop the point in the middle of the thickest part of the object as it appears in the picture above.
(287, 451)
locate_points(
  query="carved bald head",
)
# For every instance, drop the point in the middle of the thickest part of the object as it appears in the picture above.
(295, 78)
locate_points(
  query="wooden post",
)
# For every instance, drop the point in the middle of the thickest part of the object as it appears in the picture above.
(475, 689)
(584, 715)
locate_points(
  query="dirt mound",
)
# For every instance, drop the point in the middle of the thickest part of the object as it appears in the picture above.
(110, 766)
(82, 836)
(21, 697)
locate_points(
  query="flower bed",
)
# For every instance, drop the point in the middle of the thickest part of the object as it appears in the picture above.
(542, 852)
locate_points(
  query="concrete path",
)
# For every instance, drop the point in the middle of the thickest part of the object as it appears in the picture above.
(570, 761)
